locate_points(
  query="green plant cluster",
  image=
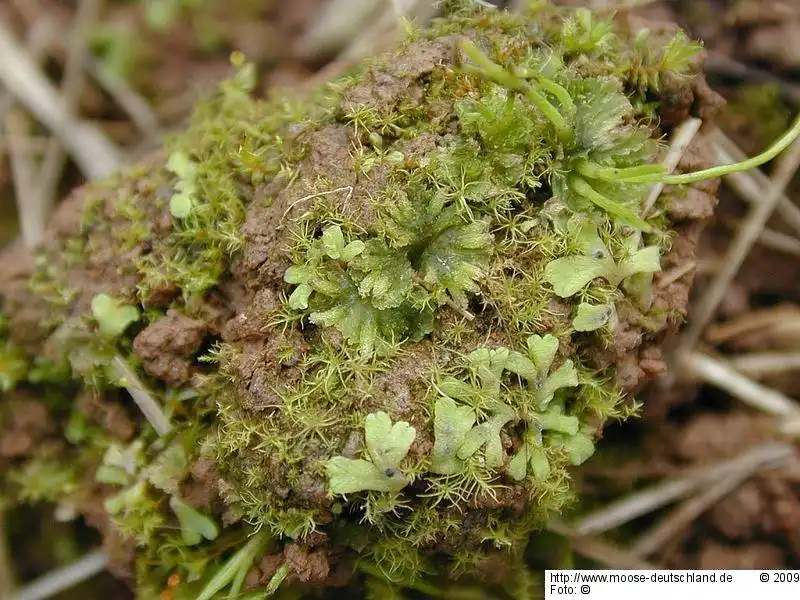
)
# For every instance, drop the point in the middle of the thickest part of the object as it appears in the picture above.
(475, 281)
(415, 395)
(385, 288)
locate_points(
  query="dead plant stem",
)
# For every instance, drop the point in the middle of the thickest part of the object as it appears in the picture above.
(95, 154)
(721, 375)
(750, 185)
(650, 542)
(600, 551)
(73, 82)
(651, 499)
(682, 138)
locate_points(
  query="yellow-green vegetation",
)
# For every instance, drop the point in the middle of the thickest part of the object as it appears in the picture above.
(421, 266)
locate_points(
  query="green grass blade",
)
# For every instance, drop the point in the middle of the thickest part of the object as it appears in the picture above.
(241, 560)
(582, 188)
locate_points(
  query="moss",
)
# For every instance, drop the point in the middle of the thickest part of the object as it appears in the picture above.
(233, 146)
(411, 281)
(369, 267)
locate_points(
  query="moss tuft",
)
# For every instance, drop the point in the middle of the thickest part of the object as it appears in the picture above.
(408, 294)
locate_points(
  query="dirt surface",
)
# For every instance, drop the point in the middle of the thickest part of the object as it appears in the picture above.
(109, 414)
(168, 345)
(24, 423)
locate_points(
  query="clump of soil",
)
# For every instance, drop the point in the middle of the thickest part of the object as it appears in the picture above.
(167, 347)
(25, 423)
(385, 319)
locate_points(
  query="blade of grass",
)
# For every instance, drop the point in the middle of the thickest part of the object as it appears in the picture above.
(241, 560)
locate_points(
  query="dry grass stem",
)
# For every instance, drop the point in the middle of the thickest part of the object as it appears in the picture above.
(630, 471)
(775, 240)
(378, 30)
(728, 67)
(790, 428)
(631, 507)
(32, 144)
(137, 108)
(32, 215)
(336, 24)
(142, 397)
(72, 87)
(721, 375)
(784, 317)
(24, 177)
(600, 551)
(673, 275)
(650, 542)
(40, 37)
(58, 581)
(765, 363)
(95, 154)
(751, 228)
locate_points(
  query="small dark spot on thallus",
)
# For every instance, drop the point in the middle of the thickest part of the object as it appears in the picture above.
(389, 472)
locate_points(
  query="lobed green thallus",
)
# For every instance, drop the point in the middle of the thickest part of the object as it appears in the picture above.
(562, 119)
(436, 296)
